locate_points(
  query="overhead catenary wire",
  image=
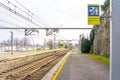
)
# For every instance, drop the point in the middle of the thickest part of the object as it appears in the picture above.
(10, 23)
(65, 23)
(29, 13)
(16, 19)
(20, 15)
(33, 14)
(8, 27)
(69, 21)
(15, 24)
(11, 29)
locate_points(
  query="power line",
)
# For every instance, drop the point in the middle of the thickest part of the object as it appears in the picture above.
(14, 24)
(28, 12)
(4, 26)
(51, 31)
(9, 23)
(34, 16)
(8, 27)
(32, 13)
(15, 18)
(69, 21)
(19, 14)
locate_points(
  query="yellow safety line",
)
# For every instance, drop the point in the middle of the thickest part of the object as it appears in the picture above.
(60, 68)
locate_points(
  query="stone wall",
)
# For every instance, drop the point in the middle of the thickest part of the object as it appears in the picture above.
(102, 36)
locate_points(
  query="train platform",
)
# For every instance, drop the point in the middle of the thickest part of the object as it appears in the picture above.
(76, 66)
(80, 67)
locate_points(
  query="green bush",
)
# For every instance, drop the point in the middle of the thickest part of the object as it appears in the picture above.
(85, 46)
(92, 35)
(105, 5)
(66, 46)
(91, 49)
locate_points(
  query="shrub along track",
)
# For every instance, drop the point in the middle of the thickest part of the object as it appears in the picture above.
(31, 67)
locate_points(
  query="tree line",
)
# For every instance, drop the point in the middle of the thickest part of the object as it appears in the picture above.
(24, 42)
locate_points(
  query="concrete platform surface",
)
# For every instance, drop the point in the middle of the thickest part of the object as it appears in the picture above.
(80, 67)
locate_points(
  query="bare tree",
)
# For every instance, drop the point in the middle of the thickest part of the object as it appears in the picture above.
(25, 41)
(16, 43)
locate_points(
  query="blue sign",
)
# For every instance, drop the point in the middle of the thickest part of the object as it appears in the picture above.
(93, 10)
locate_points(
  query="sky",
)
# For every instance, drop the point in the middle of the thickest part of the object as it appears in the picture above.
(68, 13)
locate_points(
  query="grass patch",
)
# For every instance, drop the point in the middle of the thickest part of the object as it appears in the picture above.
(32, 50)
(96, 57)
(99, 58)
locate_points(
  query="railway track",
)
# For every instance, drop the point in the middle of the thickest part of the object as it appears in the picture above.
(34, 69)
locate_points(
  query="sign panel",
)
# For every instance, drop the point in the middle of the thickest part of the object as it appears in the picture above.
(93, 14)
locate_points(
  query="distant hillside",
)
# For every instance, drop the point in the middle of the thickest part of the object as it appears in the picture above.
(101, 43)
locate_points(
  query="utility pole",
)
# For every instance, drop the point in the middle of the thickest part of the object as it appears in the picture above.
(44, 44)
(54, 40)
(11, 42)
(33, 46)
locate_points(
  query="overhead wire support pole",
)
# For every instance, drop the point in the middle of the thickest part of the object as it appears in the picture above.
(45, 28)
(54, 41)
(44, 44)
(27, 32)
(11, 42)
